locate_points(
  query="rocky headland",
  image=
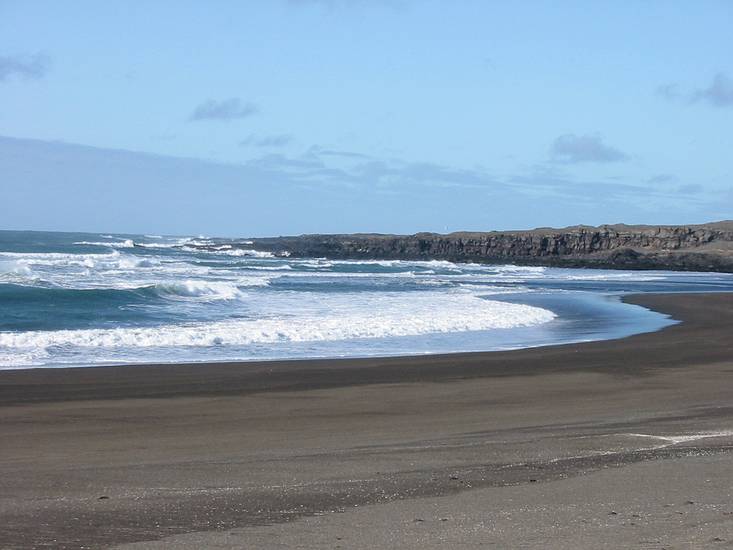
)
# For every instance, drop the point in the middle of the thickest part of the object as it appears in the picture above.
(706, 247)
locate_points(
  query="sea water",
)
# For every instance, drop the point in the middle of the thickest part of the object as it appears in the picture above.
(91, 299)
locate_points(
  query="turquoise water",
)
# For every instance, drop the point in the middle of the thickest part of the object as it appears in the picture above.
(91, 299)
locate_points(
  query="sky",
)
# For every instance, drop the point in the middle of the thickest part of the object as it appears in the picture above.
(278, 117)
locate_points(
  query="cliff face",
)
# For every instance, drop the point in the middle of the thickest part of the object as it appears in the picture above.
(706, 247)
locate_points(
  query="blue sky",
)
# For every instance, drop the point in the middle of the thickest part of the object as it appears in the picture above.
(281, 117)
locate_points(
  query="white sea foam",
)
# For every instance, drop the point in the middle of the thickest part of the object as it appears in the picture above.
(210, 290)
(113, 270)
(132, 263)
(215, 300)
(178, 243)
(490, 289)
(612, 277)
(516, 268)
(51, 257)
(237, 252)
(383, 263)
(320, 263)
(407, 264)
(206, 290)
(60, 263)
(49, 266)
(247, 252)
(283, 267)
(384, 315)
(127, 243)
(15, 267)
(17, 359)
(17, 272)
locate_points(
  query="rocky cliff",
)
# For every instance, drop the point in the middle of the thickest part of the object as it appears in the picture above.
(707, 247)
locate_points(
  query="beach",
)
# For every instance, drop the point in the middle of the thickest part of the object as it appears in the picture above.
(619, 443)
(358, 275)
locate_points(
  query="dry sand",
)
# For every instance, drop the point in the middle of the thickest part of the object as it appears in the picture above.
(617, 444)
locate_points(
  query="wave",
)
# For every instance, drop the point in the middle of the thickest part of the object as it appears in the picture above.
(407, 264)
(610, 277)
(237, 252)
(207, 290)
(56, 256)
(23, 359)
(388, 315)
(122, 294)
(132, 263)
(127, 243)
(34, 266)
(179, 243)
(14, 267)
(511, 268)
(283, 267)
(56, 262)
(130, 243)
(492, 289)
(196, 289)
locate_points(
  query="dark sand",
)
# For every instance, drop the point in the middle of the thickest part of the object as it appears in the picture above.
(616, 444)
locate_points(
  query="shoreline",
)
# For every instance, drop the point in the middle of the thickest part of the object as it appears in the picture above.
(614, 246)
(566, 339)
(275, 368)
(300, 453)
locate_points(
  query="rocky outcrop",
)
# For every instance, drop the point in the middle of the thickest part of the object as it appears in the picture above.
(707, 247)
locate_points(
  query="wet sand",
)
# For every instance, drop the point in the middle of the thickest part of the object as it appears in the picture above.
(622, 443)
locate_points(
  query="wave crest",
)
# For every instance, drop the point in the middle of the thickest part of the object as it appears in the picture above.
(207, 290)
(127, 243)
(388, 316)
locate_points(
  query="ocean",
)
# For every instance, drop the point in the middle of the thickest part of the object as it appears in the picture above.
(82, 299)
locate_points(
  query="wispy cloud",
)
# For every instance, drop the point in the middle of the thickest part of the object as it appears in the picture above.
(670, 91)
(339, 193)
(662, 179)
(571, 148)
(223, 110)
(278, 140)
(690, 189)
(670, 183)
(323, 152)
(318, 167)
(24, 67)
(718, 94)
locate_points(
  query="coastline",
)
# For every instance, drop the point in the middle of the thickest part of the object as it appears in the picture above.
(622, 323)
(704, 247)
(254, 376)
(271, 450)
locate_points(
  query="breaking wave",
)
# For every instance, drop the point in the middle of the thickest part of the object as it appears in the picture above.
(385, 315)
(205, 290)
(127, 243)
(88, 299)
